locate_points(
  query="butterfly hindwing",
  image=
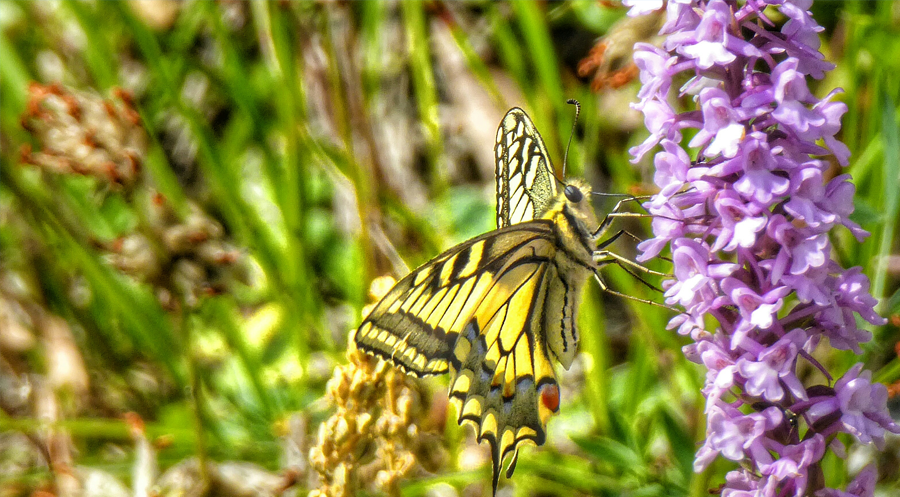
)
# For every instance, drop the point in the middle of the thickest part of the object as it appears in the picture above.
(525, 182)
(505, 384)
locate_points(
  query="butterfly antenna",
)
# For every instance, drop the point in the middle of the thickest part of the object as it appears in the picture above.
(577, 105)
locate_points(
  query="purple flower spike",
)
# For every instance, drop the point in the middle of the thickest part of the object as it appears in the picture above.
(748, 224)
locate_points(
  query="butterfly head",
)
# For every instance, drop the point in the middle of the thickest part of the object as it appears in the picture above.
(577, 194)
(575, 200)
(573, 194)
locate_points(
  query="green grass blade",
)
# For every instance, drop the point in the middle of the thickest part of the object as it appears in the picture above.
(890, 195)
(423, 84)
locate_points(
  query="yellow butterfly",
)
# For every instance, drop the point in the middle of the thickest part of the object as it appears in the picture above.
(493, 310)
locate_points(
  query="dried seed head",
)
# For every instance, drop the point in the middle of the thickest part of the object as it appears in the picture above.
(376, 407)
(81, 133)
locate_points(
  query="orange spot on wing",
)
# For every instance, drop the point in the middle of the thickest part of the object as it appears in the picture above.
(550, 397)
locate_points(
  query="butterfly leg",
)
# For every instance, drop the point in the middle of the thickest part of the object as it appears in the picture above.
(607, 222)
(609, 241)
(615, 212)
(601, 256)
(630, 271)
(604, 287)
(604, 257)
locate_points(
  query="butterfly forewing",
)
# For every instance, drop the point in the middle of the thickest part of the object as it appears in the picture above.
(525, 183)
(417, 323)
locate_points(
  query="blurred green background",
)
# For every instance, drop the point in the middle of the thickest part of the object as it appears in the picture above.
(191, 219)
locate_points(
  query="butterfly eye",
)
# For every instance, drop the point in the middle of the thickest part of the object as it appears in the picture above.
(573, 194)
